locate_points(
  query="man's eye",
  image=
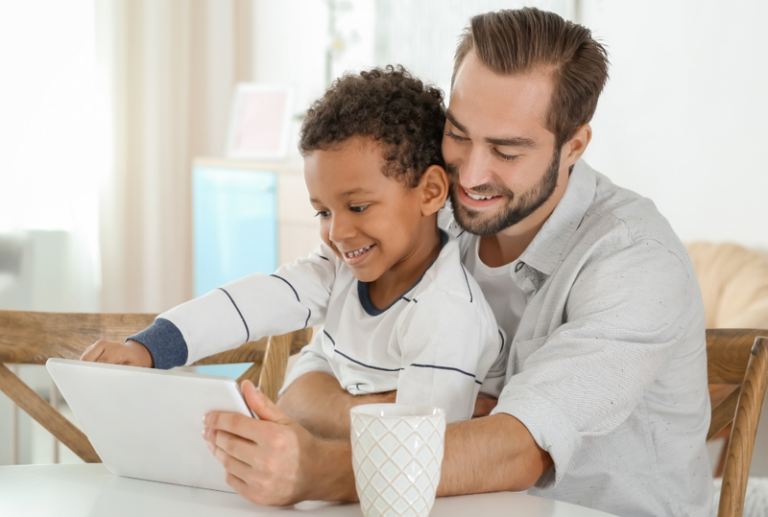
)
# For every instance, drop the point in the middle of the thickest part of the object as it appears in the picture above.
(456, 137)
(358, 209)
(505, 157)
(322, 214)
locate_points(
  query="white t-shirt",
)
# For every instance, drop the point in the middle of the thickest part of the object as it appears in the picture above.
(501, 292)
(437, 344)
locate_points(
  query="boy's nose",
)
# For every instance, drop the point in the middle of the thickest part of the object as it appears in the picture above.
(341, 229)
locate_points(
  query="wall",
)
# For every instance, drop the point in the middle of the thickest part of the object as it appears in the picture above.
(683, 118)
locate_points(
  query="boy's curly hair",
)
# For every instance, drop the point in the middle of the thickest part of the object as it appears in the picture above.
(389, 105)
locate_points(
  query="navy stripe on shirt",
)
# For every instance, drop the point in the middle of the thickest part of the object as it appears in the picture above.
(289, 285)
(247, 331)
(368, 365)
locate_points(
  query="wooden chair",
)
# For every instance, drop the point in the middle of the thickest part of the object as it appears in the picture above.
(34, 337)
(737, 357)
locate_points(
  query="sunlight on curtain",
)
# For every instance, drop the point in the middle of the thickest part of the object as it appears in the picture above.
(51, 149)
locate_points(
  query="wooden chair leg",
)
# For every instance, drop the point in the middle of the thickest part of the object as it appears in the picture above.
(743, 432)
(275, 362)
(253, 373)
(36, 407)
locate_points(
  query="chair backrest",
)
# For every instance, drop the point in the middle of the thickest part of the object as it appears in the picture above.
(737, 357)
(34, 337)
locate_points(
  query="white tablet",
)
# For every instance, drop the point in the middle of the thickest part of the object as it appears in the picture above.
(147, 423)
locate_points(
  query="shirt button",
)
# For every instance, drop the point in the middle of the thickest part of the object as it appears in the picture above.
(519, 266)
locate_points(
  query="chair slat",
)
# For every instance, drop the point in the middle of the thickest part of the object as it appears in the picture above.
(273, 373)
(250, 352)
(253, 374)
(33, 337)
(728, 352)
(36, 407)
(723, 413)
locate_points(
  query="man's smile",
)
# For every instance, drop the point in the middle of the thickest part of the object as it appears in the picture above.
(476, 201)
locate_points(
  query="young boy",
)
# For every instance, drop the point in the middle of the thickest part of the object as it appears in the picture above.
(398, 309)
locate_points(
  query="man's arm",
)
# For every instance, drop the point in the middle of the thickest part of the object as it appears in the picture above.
(275, 461)
(490, 454)
(317, 402)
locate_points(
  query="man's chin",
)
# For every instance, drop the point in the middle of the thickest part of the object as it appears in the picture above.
(481, 223)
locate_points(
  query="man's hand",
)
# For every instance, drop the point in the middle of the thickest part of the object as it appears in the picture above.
(131, 353)
(275, 461)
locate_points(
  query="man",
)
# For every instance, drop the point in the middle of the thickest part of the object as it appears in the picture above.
(606, 401)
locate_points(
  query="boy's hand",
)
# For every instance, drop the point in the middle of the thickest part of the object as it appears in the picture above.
(131, 353)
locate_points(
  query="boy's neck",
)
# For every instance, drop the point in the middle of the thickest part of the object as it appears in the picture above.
(398, 279)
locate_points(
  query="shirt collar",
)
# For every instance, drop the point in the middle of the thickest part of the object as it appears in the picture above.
(546, 250)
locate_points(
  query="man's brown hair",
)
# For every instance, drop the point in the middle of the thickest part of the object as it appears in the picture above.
(525, 40)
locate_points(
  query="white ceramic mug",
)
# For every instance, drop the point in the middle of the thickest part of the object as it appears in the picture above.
(397, 452)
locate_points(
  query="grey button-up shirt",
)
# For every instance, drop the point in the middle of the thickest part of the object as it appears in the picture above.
(607, 369)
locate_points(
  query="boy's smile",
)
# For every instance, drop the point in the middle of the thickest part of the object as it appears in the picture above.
(378, 226)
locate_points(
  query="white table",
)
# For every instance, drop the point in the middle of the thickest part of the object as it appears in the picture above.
(92, 491)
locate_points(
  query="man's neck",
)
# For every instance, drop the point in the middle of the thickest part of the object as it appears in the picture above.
(506, 246)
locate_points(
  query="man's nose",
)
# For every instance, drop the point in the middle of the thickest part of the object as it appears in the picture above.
(476, 169)
(341, 228)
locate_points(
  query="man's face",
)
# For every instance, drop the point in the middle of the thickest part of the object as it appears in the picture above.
(498, 152)
(369, 220)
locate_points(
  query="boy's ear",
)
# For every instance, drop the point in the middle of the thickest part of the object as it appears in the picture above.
(434, 187)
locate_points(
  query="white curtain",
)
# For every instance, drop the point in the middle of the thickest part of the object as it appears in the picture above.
(170, 67)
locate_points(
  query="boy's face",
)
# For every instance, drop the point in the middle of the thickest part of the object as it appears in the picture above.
(371, 221)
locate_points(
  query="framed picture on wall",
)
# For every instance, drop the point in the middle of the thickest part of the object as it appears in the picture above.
(260, 121)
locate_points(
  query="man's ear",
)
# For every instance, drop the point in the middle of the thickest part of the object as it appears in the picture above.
(575, 147)
(434, 189)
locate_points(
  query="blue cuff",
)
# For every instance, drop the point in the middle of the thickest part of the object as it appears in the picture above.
(165, 343)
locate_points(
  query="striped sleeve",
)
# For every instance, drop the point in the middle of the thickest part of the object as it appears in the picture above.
(294, 297)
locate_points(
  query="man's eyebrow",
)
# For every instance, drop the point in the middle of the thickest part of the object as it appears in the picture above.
(512, 141)
(453, 121)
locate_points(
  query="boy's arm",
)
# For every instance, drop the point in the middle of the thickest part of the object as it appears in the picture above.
(294, 297)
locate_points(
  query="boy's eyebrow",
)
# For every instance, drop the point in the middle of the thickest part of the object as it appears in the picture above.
(348, 193)
(358, 190)
(512, 141)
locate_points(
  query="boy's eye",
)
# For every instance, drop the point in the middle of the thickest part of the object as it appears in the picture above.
(358, 209)
(322, 214)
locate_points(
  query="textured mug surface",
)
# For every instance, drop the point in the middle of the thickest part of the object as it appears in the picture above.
(397, 451)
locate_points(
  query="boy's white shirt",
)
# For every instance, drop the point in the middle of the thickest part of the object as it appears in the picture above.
(438, 344)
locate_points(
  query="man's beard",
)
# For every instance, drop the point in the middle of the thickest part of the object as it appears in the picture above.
(473, 221)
